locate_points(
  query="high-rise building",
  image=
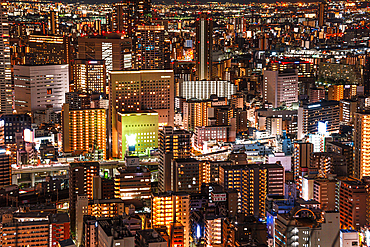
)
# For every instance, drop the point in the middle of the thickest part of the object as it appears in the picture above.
(195, 113)
(89, 76)
(43, 50)
(325, 192)
(253, 182)
(133, 182)
(5, 168)
(353, 197)
(6, 91)
(202, 90)
(280, 87)
(53, 22)
(84, 130)
(310, 115)
(213, 230)
(346, 151)
(301, 161)
(169, 208)
(204, 46)
(80, 184)
(361, 147)
(321, 14)
(173, 144)
(39, 87)
(152, 48)
(316, 94)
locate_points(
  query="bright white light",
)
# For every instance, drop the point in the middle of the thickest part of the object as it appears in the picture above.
(131, 140)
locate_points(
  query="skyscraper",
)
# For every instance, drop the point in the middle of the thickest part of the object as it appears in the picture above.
(5, 168)
(89, 76)
(204, 43)
(321, 15)
(173, 144)
(128, 14)
(152, 48)
(361, 145)
(6, 92)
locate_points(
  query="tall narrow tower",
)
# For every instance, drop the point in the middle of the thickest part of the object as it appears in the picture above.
(204, 41)
(6, 91)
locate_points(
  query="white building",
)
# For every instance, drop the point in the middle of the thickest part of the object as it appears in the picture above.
(280, 88)
(349, 238)
(6, 92)
(213, 231)
(40, 87)
(285, 160)
(202, 90)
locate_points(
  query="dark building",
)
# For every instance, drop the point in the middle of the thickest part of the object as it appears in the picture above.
(173, 144)
(80, 183)
(13, 124)
(204, 43)
(5, 168)
(152, 48)
(48, 50)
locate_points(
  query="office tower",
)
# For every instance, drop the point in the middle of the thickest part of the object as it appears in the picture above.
(195, 113)
(301, 161)
(80, 184)
(13, 124)
(85, 130)
(40, 87)
(53, 22)
(5, 168)
(202, 90)
(361, 148)
(316, 94)
(173, 144)
(310, 115)
(116, 52)
(89, 76)
(132, 91)
(150, 238)
(346, 151)
(204, 46)
(274, 126)
(6, 92)
(138, 131)
(43, 50)
(321, 14)
(34, 229)
(280, 87)
(305, 229)
(353, 203)
(152, 46)
(253, 182)
(185, 175)
(133, 182)
(166, 210)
